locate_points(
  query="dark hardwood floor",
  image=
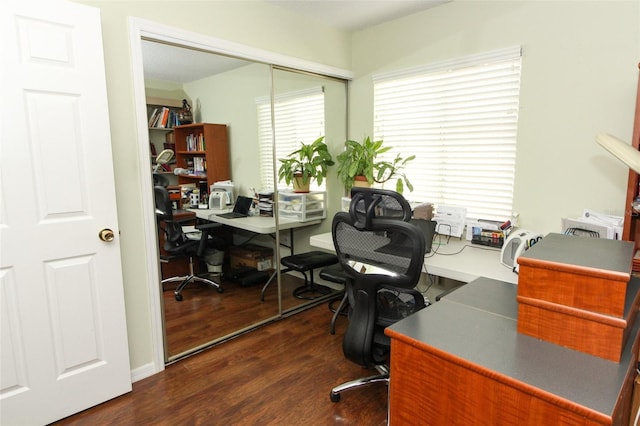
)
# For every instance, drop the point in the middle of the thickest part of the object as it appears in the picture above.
(279, 374)
(204, 314)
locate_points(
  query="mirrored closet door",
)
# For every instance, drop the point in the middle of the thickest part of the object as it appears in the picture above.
(239, 94)
(307, 107)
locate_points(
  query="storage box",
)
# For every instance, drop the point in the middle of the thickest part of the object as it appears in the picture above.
(251, 255)
(302, 206)
(580, 272)
(423, 211)
(586, 331)
(577, 292)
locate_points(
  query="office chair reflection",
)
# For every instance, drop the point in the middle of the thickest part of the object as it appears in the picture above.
(384, 255)
(177, 244)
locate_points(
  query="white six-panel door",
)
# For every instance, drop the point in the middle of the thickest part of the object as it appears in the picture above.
(63, 341)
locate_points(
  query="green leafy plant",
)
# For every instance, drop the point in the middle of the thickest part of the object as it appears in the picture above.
(387, 170)
(310, 161)
(359, 159)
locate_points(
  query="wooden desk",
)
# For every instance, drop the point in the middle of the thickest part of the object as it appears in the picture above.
(457, 259)
(461, 361)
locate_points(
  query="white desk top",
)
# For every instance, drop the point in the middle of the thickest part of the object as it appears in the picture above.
(257, 224)
(458, 259)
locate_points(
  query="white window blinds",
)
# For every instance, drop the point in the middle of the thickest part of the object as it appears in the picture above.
(299, 117)
(460, 119)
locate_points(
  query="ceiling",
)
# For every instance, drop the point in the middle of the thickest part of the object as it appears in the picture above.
(354, 15)
(167, 63)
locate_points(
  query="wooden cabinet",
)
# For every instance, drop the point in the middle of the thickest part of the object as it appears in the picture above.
(631, 229)
(461, 361)
(202, 150)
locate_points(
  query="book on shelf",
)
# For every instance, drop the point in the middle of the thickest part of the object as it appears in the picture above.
(165, 117)
(199, 166)
(154, 117)
(195, 142)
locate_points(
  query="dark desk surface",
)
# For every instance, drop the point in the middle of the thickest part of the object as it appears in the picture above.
(477, 324)
(573, 250)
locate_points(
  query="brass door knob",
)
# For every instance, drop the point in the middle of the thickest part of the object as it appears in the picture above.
(106, 235)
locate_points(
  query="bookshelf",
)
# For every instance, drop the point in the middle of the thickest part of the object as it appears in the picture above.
(631, 229)
(161, 135)
(202, 150)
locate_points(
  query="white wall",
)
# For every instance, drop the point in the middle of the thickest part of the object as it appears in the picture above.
(579, 78)
(229, 98)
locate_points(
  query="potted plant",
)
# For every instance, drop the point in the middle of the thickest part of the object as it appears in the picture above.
(387, 170)
(305, 164)
(358, 163)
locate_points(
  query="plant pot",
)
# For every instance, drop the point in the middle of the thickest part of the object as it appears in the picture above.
(361, 182)
(299, 185)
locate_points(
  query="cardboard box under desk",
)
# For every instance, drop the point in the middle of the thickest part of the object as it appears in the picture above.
(251, 255)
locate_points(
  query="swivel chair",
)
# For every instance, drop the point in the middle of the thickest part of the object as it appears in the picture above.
(178, 244)
(384, 254)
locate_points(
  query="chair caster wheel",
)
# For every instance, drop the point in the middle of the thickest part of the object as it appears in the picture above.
(335, 397)
(179, 297)
(220, 289)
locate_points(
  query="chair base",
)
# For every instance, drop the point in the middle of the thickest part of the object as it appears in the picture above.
(311, 291)
(383, 377)
(184, 280)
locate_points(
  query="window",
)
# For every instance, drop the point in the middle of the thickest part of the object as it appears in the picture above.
(460, 119)
(299, 117)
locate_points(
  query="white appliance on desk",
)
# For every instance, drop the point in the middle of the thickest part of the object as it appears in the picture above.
(218, 199)
(226, 186)
(517, 243)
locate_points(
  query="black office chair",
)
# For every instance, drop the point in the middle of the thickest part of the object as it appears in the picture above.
(384, 254)
(177, 244)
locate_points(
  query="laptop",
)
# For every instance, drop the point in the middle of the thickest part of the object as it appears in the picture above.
(240, 209)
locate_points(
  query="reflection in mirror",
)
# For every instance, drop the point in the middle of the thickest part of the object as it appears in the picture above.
(226, 96)
(306, 107)
(237, 93)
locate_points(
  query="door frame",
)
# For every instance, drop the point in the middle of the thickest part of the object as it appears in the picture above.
(142, 28)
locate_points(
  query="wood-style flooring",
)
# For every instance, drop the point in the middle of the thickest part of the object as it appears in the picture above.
(279, 374)
(204, 314)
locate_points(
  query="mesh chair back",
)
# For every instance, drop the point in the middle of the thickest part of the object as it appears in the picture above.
(387, 254)
(164, 211)
(388, 251)
(372, 203)
(174, 235)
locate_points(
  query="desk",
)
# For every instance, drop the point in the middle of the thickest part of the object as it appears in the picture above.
(256, 224)
(458, 259)
(461, 361)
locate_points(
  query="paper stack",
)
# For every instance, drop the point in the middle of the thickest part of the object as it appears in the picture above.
(451, 220)
(594, 224)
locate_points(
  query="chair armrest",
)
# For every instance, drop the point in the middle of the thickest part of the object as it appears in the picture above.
(206, 229)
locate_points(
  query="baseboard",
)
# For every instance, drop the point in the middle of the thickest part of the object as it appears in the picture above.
(143, 372)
